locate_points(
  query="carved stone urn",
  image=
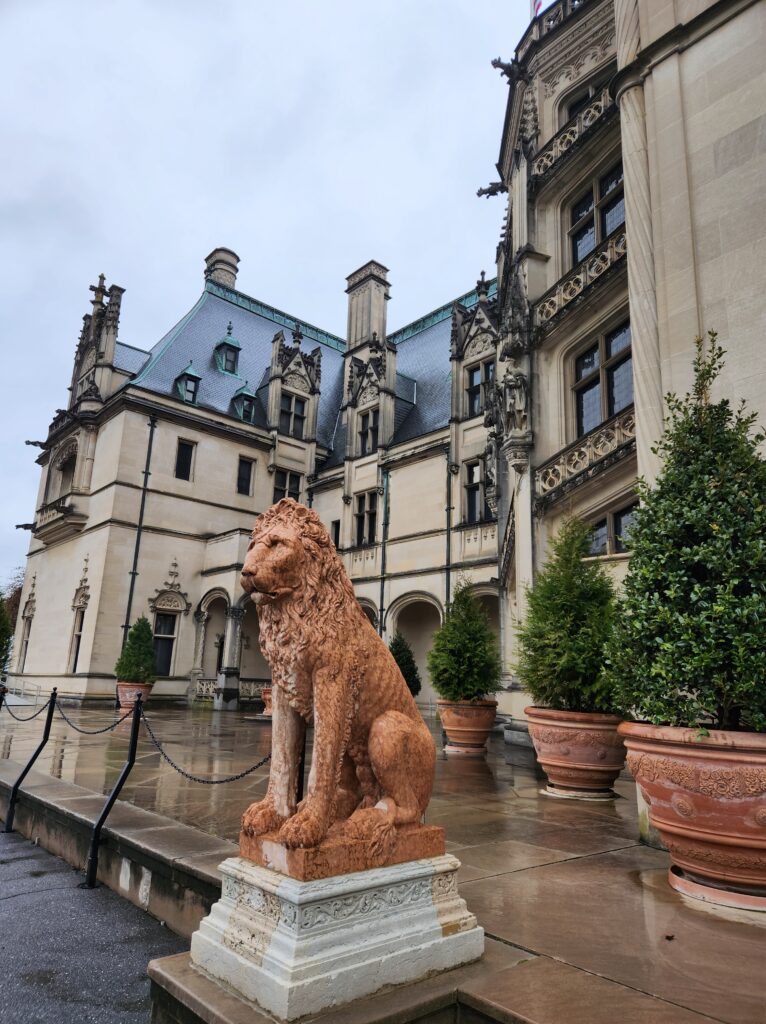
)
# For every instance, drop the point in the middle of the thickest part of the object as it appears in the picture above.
(580, 752)
(707, 799)
(266, 696)
(467, 725)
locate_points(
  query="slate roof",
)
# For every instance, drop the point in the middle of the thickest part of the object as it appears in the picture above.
(422, 379)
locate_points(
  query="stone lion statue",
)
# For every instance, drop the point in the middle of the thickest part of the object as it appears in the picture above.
(373, 758)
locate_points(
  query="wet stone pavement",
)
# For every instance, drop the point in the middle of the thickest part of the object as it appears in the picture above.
(566, 880)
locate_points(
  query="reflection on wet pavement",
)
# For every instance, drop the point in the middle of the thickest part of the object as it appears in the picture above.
(565, 879)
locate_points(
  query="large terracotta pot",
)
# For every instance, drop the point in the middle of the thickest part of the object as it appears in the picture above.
(127, 693)
(580, 752)
(467, 725)
(707, 798)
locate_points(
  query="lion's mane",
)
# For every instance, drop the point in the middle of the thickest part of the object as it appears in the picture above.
(324, 608)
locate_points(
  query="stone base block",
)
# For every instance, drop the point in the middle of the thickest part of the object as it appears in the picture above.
(296, 948)
(339, 853)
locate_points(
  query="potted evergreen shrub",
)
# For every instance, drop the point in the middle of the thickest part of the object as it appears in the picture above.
(561, 663)
(405, 659)
(135, 669)
(688, 653)
(464, 664)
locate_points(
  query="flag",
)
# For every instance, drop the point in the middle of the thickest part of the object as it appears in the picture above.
(536, 5)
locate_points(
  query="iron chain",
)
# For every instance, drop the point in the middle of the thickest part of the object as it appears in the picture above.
(92, 732)
(198, 778)
(29, 717)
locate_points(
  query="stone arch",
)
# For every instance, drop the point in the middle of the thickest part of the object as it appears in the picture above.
(369, 610)
(213, 595)
(489, 598)
(417, 615)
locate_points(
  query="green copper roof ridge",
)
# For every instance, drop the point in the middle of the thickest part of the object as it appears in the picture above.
(171, 336)
(126, 344)
(437, 315)
(277, 316)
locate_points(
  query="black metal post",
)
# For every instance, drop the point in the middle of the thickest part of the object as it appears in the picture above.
(302, 766)
(3, 691)
(30, 762)
(91, 866)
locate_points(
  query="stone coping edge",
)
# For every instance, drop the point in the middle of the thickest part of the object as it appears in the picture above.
(164, 867)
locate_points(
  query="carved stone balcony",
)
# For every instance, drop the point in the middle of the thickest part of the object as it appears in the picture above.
(57, 519)
(596, 113)
(477, 541)
(549, 20)
(573, 286)
(573, 466)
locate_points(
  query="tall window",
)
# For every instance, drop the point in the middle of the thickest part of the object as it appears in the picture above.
(476, 377)
(184, 459)
(366, 518)
(24, 642)
(603, 379)
(582, 100)
(74, 652)
(164, 639)
(597, 213)
(335, 532)
(611, 535)
(245, 476)
(67, 469)
(286, 485)
(476, 509)
(368, 432)
(292, 415)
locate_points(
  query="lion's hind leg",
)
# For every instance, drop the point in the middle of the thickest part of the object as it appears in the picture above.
(403, 758)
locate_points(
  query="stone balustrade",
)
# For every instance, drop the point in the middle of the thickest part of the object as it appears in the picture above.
(588, 456)
(572, 286)
(573, 130)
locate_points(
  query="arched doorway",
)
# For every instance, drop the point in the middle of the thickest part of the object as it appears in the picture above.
(370, 611)
(417, 617)
(215, 635)
(254, 670)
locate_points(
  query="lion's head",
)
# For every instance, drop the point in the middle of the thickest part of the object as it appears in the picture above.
(295, 577)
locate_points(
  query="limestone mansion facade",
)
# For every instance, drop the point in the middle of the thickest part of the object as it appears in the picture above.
(632, 170)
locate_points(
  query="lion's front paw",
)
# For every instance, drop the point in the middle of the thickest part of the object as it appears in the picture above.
(261, 817)
(304, 829)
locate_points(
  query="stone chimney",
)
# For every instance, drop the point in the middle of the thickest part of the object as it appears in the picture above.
(221, 267)
(367, 297)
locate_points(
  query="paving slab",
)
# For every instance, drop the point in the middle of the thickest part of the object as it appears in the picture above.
(70, 954)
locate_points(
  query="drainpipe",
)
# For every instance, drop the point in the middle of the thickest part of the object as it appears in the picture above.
(139, 530)
(384, 539)
(448, 510)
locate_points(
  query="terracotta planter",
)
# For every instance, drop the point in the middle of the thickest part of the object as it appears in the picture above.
(707, 799)
(467, 725)
(127, 693)
(266, 695)
(580, 752)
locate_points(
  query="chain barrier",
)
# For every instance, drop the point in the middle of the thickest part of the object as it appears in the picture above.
(92, 732)
(29, 718)
(198, 778)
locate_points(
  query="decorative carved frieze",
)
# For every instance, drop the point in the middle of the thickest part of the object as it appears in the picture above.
(731, 783)
(570, 134)
(170, 597)
(574, 285)
(579, 462)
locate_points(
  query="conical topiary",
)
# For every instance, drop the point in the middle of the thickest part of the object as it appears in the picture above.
(569, 617)
(464, 661)
(689, 645)
(136, 663)
(405, 659)
(6, 636)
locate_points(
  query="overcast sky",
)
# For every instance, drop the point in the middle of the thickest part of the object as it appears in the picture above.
(308, 137)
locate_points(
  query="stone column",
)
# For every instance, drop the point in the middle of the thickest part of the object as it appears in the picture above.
(227, 685)
(200, 623)
(647, 370)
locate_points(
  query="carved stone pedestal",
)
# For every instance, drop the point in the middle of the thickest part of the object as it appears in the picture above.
(296, 948)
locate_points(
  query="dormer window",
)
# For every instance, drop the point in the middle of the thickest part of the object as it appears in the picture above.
(227, 352)
(368, 432)
(187, 385)
(292, 415)
(244, 404)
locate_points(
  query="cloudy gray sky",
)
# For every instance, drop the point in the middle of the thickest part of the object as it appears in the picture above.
(309, 137)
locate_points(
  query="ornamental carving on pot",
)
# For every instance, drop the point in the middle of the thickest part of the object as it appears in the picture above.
(689, 851)
(729, 783)
(373, 757)
(581, 737)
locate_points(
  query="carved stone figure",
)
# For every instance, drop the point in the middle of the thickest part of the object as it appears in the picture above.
(516, 399)
(373, 758)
